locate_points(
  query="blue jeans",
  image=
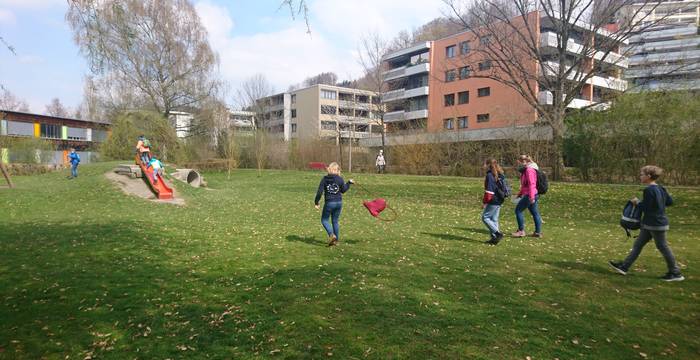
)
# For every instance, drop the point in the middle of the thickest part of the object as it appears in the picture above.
(490, 218)
(74, 170)
(520, 208)
(331, 210)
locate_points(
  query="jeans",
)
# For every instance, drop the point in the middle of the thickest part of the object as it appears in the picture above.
(525, 203)
(331, 210)
(74, 170)
(490, 218)
(661, 244)
(145, 157)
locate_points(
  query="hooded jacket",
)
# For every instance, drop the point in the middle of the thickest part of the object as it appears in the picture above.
(332, 187)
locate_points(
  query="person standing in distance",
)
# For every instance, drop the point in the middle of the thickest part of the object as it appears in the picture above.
(380, 163)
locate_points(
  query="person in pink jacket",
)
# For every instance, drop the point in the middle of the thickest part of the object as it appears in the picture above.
(527, 197)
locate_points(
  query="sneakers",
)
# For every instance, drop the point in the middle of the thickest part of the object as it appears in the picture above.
(672, 277)
(332, 240)
(618, 267)
(495, 238)
(536, 235)
(518, 234)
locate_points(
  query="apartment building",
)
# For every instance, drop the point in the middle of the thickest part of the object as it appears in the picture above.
(432, 85)
(182, 122)
(322, 111)
(664, 54)
(242, 121)
(65, 133)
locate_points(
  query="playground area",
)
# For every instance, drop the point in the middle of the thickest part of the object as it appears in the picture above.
(241, 270)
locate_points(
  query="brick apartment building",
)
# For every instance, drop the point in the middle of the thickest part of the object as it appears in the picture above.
(432, 87)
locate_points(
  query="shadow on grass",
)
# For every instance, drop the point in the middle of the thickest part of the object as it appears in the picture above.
(452, 237)
(306, 239)
(571, 265)
(476, 230)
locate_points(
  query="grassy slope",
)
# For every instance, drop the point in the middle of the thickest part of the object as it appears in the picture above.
(242, 272)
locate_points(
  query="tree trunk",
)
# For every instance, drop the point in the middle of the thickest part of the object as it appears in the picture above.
(6, 174)
(557, 124)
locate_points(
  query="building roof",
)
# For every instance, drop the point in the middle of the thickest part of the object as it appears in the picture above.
(53, 117)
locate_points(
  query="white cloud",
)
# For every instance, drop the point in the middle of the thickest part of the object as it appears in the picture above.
(7, 17)
(352, 19)
(31, 4)
(285, 57)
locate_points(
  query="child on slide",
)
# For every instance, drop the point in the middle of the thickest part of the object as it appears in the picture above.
(332, 187)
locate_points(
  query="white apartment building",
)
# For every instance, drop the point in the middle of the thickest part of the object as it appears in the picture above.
(242, 121)
(181, 121)
(322, 111)
(665, 56)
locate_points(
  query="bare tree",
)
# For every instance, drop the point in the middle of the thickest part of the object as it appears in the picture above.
(584, 45)
(296, 8)
(325, 78)
(156, 49)
(9, 102)
(372, 50)
(251, 94)
(55, 108)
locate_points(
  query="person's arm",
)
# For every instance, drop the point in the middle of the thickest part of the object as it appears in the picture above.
(319, 192)
(531, 183)
(344, 186)
(647, 202)
(489, 189)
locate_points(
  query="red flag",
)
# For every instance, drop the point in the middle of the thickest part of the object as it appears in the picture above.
(375, 206)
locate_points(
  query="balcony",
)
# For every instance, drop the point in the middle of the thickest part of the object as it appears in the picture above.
(349, 134)
(408, 51)
(401, 94)
(661, 70)
(665, 57)
(402, 115)
(665, 46)
(672, 33)
(547, 98)
(551, 68)
(406, 71)
(549, 40)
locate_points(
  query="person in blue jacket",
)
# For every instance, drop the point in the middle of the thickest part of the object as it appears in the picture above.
(654, 225)
(491, 202)
(74, 160)
(332, 187)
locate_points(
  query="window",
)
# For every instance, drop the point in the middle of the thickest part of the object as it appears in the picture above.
(448, 124)
(463, 97)
(463, 122)
(294, 98)
(51, 131)
(450, 75)
(464, 47)
(484, 91)
(328, 125)
(362, 113)
(328, 94)
(76, 133)
(482, 118)
(328, 109)
(346, 112)
(485, 40)
(449, 99)
(294, 113)
(294, 128)
(450, 51)
(464, 72)
(485, 65)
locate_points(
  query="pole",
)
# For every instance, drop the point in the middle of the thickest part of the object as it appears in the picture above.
(352, 136)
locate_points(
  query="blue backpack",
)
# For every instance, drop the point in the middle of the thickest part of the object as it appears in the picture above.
(631, 218)
(502, 188)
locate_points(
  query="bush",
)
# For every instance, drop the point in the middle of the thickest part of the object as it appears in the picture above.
(165, 144)
(657, 128)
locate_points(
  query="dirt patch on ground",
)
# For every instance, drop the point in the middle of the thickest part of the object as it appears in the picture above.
(137, 187)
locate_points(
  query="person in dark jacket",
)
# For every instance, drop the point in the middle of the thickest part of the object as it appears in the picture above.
(491, 202)
(654, 224)
(332, 187)
(74, 160)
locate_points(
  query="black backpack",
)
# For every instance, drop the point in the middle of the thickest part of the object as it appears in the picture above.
(502, 188)
(542, 183)
(631, 218)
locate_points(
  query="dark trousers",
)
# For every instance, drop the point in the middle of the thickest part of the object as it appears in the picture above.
(331, 210)
(661, 244)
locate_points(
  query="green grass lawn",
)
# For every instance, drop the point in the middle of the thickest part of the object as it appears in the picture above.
(242, 271)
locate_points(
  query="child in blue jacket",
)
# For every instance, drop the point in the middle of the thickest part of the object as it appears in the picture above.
(332, 187)
(74, 160)
(654, 225)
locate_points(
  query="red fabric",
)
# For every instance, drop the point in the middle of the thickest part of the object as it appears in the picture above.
(375, 206)
(487, 197)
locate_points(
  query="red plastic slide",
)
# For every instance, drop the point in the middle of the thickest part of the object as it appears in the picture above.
(163, 192)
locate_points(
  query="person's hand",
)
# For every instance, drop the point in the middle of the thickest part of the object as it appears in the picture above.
(483, 206)
(317, 207)
(634, 200)
(532, 200)
(351, 181)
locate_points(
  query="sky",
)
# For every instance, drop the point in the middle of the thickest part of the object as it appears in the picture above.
(250, 37)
